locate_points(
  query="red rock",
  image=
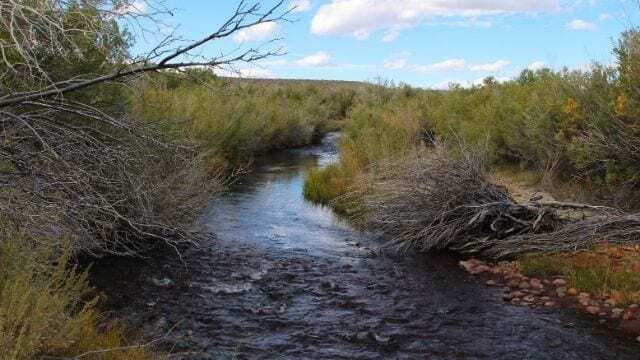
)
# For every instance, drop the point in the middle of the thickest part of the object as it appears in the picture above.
(469, 265)
(480, 269)
(593, 310)
(513, 283)
(536, 284)
(629, 315)
(630, 326)
(559, 282)
(524, 285)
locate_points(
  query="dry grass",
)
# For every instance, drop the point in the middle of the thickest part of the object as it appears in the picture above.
(437, 200)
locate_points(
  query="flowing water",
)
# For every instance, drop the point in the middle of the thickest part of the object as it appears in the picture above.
(286, 279)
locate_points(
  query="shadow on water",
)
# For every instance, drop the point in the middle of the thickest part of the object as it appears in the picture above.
(287, 279)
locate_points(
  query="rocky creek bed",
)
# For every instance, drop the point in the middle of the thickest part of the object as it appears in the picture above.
(283, 278)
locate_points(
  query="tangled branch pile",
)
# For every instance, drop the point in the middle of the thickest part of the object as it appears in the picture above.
(441, 201)
(73, 165)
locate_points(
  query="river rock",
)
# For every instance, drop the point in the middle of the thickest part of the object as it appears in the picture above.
(559, 282)
(524, 285)
(630, 326)
(616, 313)
(536, 284)
(593, 310)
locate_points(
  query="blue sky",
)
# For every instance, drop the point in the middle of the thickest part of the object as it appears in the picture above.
(426, 43)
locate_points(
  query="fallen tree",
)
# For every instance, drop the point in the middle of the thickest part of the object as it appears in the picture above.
(439, 201)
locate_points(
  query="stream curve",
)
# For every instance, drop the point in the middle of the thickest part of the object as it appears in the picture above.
(286, 279)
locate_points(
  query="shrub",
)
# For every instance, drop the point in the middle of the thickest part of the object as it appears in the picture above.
(47, 308)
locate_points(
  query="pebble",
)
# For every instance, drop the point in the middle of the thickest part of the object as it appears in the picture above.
(536, 284)
(593, 310)
(524, 285)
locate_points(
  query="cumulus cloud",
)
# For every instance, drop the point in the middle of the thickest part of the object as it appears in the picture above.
(536, 65)
(300, 5)
(580, 25)
(491, 67)
(360, 18)
(397, 62)
(450, 65)
(448, 84)
(390, 36)
(604, 17)
(258, 32)
(320, 58)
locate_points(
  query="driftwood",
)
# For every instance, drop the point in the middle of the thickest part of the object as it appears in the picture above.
(438, 201)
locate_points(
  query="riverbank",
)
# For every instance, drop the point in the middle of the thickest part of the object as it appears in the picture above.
(286, 278)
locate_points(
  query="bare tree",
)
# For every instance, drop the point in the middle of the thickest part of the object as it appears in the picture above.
(68, 168)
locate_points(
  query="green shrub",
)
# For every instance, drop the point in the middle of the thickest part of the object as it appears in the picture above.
(47, 308)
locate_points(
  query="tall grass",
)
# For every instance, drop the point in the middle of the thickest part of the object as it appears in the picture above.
(239, 120)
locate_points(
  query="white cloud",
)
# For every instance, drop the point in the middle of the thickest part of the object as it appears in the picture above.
(448, 84)
(390, 36)
(320, 58)
(536, 65)
(360, 18)
(258, 32)
(604, 17)
(449, 65)
(580, 25)
(456, 64)
(491, 67)
(397, 62)
(300, 5)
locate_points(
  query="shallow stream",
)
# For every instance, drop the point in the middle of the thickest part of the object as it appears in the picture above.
(286, 279)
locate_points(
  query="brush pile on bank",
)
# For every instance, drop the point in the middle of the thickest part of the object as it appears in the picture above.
(443, 201)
